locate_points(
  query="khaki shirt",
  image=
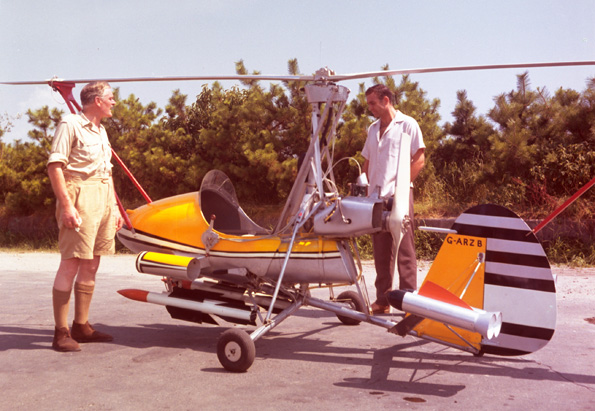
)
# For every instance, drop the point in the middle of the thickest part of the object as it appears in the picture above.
(82, 148)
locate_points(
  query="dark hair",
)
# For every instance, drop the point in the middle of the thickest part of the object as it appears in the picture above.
(92, 90)
(381, 91)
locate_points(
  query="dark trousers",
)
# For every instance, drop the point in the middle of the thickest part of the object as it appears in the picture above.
(384, 260)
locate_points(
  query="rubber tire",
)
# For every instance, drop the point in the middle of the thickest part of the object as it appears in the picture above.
(355, 302)
(236, 350)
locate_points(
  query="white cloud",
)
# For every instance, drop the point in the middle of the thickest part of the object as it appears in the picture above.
(40, 96)
(33, 97)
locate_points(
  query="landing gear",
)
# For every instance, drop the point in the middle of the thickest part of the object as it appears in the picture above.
(236, 350)
(353, 301)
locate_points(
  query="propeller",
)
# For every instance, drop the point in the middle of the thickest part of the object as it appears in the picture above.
(321, 75)
(399, 220)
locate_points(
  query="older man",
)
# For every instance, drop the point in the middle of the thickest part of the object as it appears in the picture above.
(381, 154)
(79, 168)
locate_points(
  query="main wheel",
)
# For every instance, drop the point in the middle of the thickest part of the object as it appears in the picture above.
(354, 301)
(236, 350)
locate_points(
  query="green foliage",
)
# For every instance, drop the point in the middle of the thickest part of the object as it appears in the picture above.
(427, 244)
(24, 184)
(44, 122)
(536, 149)
(6, 124)
(365, 247)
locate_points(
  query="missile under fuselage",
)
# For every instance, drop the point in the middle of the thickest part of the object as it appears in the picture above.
(207, 307)
(235, 294)
(486, 323)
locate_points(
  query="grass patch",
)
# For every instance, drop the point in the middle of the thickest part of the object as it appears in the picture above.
(13, 242)
(365, 248)
(570, 251)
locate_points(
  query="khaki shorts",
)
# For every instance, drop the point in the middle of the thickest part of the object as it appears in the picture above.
(94, 199)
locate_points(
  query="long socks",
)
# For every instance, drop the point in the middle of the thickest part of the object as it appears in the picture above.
(61, 302)
(82, 302)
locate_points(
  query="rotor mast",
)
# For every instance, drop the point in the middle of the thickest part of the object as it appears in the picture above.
(327, 100)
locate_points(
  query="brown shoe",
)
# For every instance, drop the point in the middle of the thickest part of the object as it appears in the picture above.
(379, 309)
(84, 333)
(63, 341)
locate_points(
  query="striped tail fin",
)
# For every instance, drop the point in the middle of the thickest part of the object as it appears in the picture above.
(496, 263)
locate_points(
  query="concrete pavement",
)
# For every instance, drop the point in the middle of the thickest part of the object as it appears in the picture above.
(311, 361)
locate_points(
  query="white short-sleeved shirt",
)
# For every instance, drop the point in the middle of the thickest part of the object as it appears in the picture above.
(82, 147)
(383, 153)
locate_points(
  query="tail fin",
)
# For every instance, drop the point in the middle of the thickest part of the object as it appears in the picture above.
(496, 263)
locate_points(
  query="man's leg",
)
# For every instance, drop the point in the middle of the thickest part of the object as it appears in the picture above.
(83, 289)
(82, 331)
(383, 247)
(61, 303)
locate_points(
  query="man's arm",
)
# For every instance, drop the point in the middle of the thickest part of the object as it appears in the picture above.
(70, 216)
(417, 163)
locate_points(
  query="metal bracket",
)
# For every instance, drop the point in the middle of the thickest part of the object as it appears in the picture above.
(209, 237)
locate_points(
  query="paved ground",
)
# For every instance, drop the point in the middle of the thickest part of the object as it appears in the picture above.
(310, 361)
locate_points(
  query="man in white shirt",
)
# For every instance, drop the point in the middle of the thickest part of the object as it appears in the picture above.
(381, 153)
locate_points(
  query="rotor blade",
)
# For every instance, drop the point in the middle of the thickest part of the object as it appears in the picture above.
(383, 73)
(174, 78)
(329, 77)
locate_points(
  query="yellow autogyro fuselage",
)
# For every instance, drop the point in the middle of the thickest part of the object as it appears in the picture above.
(177, 225)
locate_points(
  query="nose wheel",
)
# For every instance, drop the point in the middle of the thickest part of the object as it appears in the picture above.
(352, 300)
(236, 350)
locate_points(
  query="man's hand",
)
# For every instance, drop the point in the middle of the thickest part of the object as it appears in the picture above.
(119, 221)
(70, 217)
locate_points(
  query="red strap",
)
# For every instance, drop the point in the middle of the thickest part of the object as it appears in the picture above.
(563, 206)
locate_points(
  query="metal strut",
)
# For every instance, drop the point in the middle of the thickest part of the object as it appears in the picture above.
(279, 318)
(296, 227)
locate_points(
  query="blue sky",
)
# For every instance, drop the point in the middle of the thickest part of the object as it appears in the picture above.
(107, 39)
